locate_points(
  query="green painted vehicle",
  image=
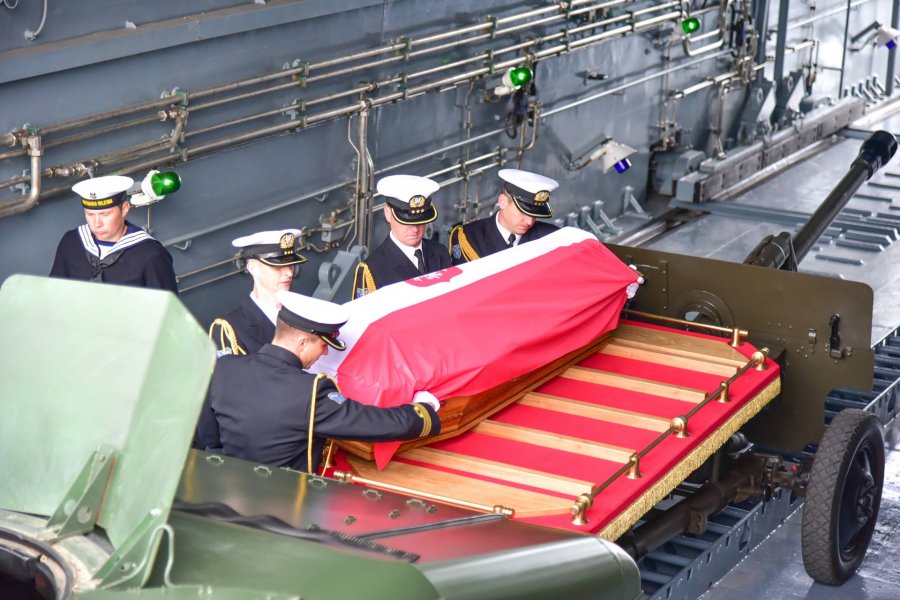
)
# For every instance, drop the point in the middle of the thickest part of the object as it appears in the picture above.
(101, 497)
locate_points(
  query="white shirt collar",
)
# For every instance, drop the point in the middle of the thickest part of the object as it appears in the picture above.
(504, 232)
(271, 312)
(409, 251)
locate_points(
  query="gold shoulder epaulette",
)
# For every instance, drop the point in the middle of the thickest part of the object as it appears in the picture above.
(363, 282)
(465, 248)
(227, 342)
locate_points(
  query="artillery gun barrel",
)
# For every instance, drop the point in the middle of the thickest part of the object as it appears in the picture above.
(875, 152)
(774, 251)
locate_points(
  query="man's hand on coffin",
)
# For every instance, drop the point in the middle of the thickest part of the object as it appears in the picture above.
(424, 397)
(632, 288)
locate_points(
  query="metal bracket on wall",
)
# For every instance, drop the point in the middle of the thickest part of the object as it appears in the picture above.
(631, 206)
(589, 216)
(335, 276)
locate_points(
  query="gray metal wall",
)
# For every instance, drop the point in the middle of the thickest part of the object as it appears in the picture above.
(98, 55)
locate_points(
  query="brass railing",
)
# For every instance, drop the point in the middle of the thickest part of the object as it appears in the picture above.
(737, 335)
(677, 427)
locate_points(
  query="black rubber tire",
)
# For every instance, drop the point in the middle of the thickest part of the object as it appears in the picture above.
(843, 497)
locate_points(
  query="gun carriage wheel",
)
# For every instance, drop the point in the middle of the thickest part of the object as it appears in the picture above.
(843, 497)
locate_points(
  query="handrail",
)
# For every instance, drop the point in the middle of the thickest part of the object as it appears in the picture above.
(678, 427)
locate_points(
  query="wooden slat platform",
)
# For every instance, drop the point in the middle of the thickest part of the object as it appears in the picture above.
(543, 450)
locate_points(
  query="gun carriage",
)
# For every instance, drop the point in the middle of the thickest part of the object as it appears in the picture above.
(87, 506)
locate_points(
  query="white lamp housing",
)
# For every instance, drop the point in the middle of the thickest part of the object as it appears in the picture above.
(146, 195)
(613, 154)
(887, 36)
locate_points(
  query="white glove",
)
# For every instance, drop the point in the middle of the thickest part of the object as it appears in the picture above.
(424, 397)
(632, 288)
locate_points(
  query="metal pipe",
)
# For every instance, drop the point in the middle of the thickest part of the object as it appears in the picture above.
(348, 477)
(844, 50)
(826, 14)
(720, 31)
(182, 290)
(110, 114)
(363, 232)
(761, 19)
(14, 205)
(287, 127)
(892, 53)
(84, 135)
(780, 43)
(453, 146)
(629, 84)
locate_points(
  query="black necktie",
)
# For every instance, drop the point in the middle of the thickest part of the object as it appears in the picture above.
(512, 240)
(420, 260)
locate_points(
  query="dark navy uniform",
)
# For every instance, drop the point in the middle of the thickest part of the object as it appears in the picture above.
(258, 409)
(525, 192)
(388, 264)
(251, 327)
(245, 329)
(408, 199)
(480, 238)
(137, 259)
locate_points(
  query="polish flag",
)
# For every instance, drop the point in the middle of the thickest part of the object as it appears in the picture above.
(466, 329)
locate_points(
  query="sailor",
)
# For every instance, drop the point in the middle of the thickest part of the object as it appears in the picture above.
(265, 407)
(404, 254)
(272, 260)
(524, 199)
(108, 248)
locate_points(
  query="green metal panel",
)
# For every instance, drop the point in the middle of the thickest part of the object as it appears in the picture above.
(579, 568)
(87, 364)
(223, 555)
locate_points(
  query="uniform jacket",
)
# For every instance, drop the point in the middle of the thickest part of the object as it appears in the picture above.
(251, 326)
(147, 264)
(258, 409)
(483, 237)
(389, 265)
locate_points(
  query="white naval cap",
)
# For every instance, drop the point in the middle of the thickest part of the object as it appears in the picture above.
(276, 248)
(99, 193)
(319, 317)
(530, 191)
(409, 198)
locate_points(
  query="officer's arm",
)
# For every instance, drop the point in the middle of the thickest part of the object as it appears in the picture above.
(343, 418)
(207, 434)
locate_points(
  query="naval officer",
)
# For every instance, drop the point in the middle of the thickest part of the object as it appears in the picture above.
(405, 253)
(523, 201)
(107, 248)
(265, 407)
(272, 260)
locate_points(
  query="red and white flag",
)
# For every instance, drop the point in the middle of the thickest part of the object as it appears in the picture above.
(466, 329)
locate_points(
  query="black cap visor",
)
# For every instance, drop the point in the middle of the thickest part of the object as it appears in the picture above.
(329, 332)
(538, 211)
(273, 255)
(404, 216)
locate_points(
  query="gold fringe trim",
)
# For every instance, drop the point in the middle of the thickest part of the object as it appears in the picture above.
(364, 275)
(688, 465)
(468, 252)
(228, 341)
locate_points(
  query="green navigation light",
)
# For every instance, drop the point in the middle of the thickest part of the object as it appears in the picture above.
(167, 182)
(691, 25)
(520, 76)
